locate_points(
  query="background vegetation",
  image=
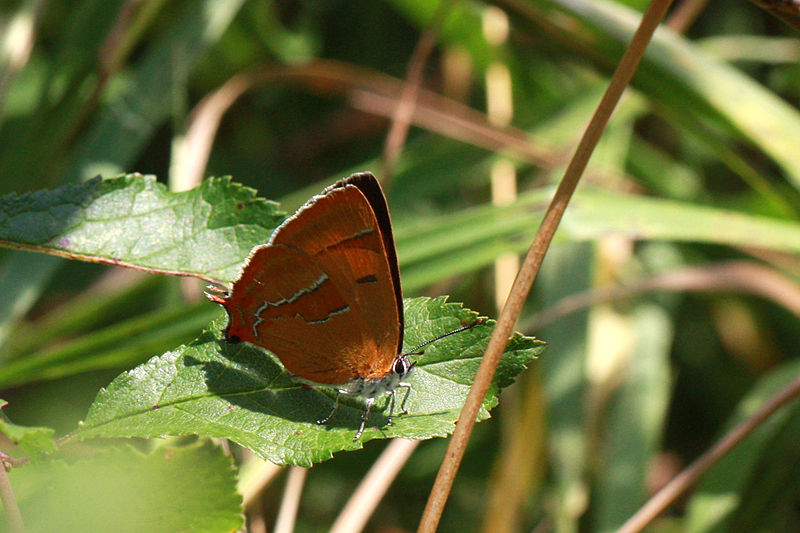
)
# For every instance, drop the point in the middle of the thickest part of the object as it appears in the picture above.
(685, 233)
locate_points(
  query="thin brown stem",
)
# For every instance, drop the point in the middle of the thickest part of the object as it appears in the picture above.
(378, 93)
(401, 119)
(532, 263)
(287, 514)
(201, 130)
(743, 276)
(686, 479)
(255, 475)
(684, 15)
(787, 11)
(373, 487)
(9, 500)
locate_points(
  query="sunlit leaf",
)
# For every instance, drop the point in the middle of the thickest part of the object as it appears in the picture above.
(241, 393)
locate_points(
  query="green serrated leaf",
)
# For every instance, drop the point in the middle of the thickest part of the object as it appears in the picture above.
(34, 441)
(241, 393)
(122, 489)
(133, 220)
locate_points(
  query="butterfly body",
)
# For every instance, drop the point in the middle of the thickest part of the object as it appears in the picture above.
(324, 294)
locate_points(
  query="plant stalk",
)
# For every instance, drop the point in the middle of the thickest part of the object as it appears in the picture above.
(533, 261)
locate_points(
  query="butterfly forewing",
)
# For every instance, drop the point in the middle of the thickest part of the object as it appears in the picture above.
(340, 231)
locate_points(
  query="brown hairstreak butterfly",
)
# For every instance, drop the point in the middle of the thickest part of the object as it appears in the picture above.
(324, 296)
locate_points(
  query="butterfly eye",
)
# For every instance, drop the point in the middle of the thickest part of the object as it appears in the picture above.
(401, 366)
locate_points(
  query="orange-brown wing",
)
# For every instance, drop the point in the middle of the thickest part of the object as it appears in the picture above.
(286, 303)
(324, 294)
(342, 232)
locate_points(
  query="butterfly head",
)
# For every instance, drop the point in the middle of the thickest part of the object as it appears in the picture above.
(378, 386)
(402, 366)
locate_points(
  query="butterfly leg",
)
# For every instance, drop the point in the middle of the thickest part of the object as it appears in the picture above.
(391, 408)
(364, 417)
(335, 406)
(403, 409)
(407, 386)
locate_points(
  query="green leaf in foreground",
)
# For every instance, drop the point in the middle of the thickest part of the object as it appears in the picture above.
(121, 489)
(134, 221)
(241, 393)
(34, 441)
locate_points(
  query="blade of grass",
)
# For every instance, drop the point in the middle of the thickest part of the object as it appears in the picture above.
(118, 345)
(78, 315)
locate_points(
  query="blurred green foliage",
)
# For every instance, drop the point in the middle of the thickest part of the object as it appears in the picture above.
(698, 167)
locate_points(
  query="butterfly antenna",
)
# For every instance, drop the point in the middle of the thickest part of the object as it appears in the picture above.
(416, 351)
